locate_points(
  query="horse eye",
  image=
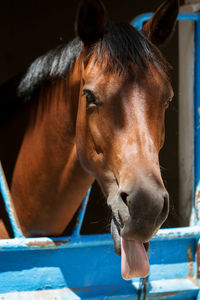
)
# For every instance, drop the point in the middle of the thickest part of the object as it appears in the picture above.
(90, 97)
(167, 103)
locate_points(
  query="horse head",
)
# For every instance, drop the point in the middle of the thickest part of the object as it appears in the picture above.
(125, 91)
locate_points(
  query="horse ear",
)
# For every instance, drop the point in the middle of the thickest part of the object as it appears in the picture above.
(161, 26)
(90, 21)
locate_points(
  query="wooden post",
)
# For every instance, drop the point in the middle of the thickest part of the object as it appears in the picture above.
(186, 115)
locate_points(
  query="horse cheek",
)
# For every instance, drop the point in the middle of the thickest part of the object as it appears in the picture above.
(82, 143)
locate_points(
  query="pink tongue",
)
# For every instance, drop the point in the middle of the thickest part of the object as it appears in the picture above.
(134, 261)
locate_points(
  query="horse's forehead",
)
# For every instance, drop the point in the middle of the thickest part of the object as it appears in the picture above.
(153, 82)
(156, 82)
(96, 73)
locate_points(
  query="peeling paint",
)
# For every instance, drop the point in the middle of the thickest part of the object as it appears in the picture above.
(77, 222)
(168, 294)
(55, 294)
(197, 204)
(190, 262)
(59, 243)
(42, 244)
(198, 260)
(195, 281)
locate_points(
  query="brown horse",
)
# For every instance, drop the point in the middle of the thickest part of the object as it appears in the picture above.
(93, 109)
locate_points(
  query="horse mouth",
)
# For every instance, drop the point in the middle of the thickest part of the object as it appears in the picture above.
(134, 260)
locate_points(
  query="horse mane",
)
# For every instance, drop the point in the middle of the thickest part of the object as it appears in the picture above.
(21, 88)
(48, 67)
(120, 46)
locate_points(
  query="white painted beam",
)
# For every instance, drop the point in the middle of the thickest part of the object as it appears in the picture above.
(186, 98)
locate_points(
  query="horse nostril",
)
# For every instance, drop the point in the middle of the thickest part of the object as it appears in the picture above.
(124, 197)
(165, 208)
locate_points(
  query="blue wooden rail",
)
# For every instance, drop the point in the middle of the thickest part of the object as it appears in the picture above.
(138, 21)
(86, 266)
(9, 204)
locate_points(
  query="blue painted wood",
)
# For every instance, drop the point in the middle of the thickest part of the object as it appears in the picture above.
(89, 266)
(81, 213)
(71, 242)
(4, 190)
(93, 267)
(138, 21)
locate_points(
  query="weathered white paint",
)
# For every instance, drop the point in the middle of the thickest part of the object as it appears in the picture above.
(58, 294)
(186, 119)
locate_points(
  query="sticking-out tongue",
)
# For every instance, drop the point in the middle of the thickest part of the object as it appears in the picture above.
(134, 260)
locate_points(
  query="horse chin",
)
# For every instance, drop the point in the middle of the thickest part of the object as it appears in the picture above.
(115, 231)
(134, 259)
(116, 235)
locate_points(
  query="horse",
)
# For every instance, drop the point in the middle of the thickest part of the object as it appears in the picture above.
(92, 109)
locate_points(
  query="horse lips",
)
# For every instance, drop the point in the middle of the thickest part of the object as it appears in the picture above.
(134, 260)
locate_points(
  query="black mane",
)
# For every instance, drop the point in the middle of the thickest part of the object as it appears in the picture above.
(21, 88)
(49, 66)
(120, 45)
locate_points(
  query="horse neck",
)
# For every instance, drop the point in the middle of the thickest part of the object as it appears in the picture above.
(48, 161)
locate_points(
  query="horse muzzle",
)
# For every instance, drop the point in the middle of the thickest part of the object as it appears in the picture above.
(137, 216)
(141, 212)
